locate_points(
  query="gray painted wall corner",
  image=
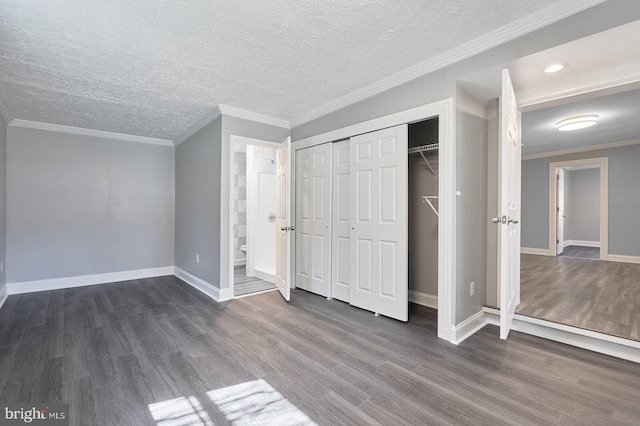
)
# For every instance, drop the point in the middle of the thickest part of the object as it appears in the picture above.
(197, 218)
(471, 220)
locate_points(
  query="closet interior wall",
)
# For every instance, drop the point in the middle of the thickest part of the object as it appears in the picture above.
(423, 222)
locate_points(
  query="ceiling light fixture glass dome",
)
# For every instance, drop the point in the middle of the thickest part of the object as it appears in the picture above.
(576, 123)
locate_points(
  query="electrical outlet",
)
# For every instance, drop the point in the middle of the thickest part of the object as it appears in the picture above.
(472, 288)
(197, 257)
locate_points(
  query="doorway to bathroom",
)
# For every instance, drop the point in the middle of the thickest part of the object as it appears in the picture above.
(254, 217)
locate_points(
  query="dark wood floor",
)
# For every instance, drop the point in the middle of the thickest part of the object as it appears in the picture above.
(581, 252)
(243, 284)
(591, 294)
(124, 353)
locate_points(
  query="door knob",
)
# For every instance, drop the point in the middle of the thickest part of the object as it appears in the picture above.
(502, 219)
(283, 229)
(514, 220)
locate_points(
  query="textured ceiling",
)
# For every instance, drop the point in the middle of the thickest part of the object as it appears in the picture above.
(155, 67)
(618, 121)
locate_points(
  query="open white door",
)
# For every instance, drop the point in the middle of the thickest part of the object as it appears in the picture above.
(379, 222)
(509, 182)
(560, 214)
(283, 218)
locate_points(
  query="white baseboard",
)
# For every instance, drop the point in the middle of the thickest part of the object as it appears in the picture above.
(424, 299)
(239, 262)
(4, 294)
(581, 243)
(85, 280)
(207, 288)
(574, 336)
(468, 327)
(623, 259)
(264, 276)
(537, 251)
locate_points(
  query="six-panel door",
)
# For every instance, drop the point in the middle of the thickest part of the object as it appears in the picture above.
(313, 219)
(379, 222)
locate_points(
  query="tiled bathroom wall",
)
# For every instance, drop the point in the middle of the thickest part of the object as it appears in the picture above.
(264, 161)
(239, 201)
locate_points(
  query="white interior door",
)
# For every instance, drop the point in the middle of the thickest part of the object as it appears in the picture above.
(510, 157)
(341, 217)
(313, 219)
(560, 211)
(283, 219)
(379, 222)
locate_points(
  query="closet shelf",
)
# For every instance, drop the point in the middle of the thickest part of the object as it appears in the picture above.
(429, 200)
(425, 148)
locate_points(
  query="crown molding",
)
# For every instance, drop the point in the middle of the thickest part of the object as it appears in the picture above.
(5, 111)
(254, 116)
(198, 125)
(509, 32)
(88, 132)
(581, 149)
(611, 79)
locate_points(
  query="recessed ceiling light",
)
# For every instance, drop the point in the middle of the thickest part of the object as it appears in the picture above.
(577, 122)
(554, 68)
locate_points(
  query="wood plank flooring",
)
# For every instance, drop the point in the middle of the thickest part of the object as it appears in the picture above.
(123, 353)
(591, 294)
(243, 284)
(581, 252)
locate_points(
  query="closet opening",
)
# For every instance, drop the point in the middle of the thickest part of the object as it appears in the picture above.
(423, 212)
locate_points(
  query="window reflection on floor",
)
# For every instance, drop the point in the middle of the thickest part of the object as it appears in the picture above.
(180, 412)
(257, 402)
(249, 403)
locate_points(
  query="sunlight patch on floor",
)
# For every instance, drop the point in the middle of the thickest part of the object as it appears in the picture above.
(256, 402)
(180, 412)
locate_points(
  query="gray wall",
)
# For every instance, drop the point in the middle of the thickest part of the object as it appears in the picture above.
(3, 200)
(624, 199)
(582, 205)
(471, 220)
(441, 84)
(81, 205)
(197, 223)
(535, 204)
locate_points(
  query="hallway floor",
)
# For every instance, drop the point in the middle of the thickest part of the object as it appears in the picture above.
(586, 293)
(582, 252)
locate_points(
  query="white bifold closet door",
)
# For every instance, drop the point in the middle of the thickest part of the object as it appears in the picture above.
(379, 222)
(313, 221)
(341, 220)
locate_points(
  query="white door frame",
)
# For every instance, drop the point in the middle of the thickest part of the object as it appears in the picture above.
(603, 165)
(227, 271)
(445, 111)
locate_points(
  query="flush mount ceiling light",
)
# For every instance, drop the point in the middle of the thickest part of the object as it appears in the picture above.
(554, 68)
(577, 122)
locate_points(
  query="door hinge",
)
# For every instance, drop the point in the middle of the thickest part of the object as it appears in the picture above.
(557, 241)
(557, 209)
(558, 177)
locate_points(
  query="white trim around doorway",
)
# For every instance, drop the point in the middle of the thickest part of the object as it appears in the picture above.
(445, 111)
(603, 164)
